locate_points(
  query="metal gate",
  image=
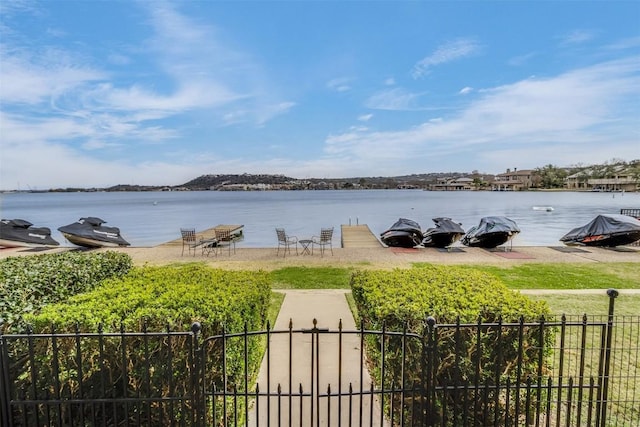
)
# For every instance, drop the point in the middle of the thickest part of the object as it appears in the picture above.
(314, 377)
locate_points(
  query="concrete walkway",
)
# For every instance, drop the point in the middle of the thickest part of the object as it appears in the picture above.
(337, 365)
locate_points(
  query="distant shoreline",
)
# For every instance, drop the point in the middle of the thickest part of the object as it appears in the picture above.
(160, 190)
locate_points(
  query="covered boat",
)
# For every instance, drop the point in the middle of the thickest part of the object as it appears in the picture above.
(16, 233)
(404, 233)
(605, 230)
(491, 232)
(445, 233)
(89, 232)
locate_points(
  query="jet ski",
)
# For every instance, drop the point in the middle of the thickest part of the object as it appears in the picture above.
(17, 233)
(89, 232)
(404, 233)
(444, 234)
(605, 230)
(491, 232)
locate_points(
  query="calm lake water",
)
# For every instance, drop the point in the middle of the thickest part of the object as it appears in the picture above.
(151, 218)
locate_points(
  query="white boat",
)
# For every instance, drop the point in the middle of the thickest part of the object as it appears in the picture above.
(543, 208)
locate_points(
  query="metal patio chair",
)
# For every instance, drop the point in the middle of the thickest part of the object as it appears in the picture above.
(189, 240)
(224, 238)
(286, 241)
(325, 239)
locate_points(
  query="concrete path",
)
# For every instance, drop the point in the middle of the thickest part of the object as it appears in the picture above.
(288, 364)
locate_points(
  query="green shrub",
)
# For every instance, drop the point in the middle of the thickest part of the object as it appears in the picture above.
(160, 366)
(28, 283)
(473, 355)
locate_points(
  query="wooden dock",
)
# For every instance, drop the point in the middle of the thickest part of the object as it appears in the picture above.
(235, 229)
(358, 236)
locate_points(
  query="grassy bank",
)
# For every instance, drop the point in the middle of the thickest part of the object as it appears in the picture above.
(567, 276)
(522, 276)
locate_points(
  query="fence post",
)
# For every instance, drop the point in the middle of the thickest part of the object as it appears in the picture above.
(198, 398)
(613, 294)
(4, 395)
(430, 358)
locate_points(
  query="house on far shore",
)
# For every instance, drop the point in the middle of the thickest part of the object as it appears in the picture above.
(453, 184)
(619, 178)
(513, 181)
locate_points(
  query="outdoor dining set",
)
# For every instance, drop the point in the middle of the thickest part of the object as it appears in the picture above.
(222, 239)
(225, 239)
(286, 241)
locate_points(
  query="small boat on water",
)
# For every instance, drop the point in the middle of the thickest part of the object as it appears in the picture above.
(445, 233)
(605, 230)
(19, 233)
(404, 233)
(491, 232)
(89, 232)
(543, 208)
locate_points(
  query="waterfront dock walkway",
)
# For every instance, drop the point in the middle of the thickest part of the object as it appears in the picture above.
(358, 236)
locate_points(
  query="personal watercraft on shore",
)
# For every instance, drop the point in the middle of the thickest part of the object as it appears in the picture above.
(89, 232)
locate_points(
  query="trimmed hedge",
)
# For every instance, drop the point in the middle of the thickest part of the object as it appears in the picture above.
(159, 366)
(472, 355)
(28, 283)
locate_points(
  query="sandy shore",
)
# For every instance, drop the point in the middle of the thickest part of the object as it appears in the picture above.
(381, 258)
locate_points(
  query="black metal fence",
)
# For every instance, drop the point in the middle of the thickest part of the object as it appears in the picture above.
(583, 371)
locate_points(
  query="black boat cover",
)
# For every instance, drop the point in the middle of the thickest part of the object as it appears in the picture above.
(492, 230)
(404, 224)
(443, 227)
(605, 225)
(92, 228)
(20, 230)
(403, 233)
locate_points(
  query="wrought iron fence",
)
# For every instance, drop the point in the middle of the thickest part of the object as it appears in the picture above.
(569, 371)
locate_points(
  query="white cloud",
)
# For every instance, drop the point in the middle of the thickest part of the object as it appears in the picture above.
(339, 84)
(270, 111)
(451, 51)
(578, 37)
(520, 60)
(30, 78)
(365, 117)
(466, 90)
(393, 99)
(583, 111)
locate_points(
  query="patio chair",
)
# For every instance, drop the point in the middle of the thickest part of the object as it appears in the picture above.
(224, 238)
(286, 241)
(325, 239)
(189, 240)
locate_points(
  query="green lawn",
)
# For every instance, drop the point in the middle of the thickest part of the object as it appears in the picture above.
(311, 278)
(567, 276)
(593, 305)
(522, 276)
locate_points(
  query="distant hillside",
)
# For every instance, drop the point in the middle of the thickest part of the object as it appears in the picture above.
(207, 182)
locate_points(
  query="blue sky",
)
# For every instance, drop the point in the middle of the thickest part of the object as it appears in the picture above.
(98, 93)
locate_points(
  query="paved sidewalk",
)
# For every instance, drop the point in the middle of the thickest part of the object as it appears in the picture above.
(333, 369)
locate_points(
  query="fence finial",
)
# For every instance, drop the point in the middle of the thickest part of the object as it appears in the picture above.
(196, 327)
